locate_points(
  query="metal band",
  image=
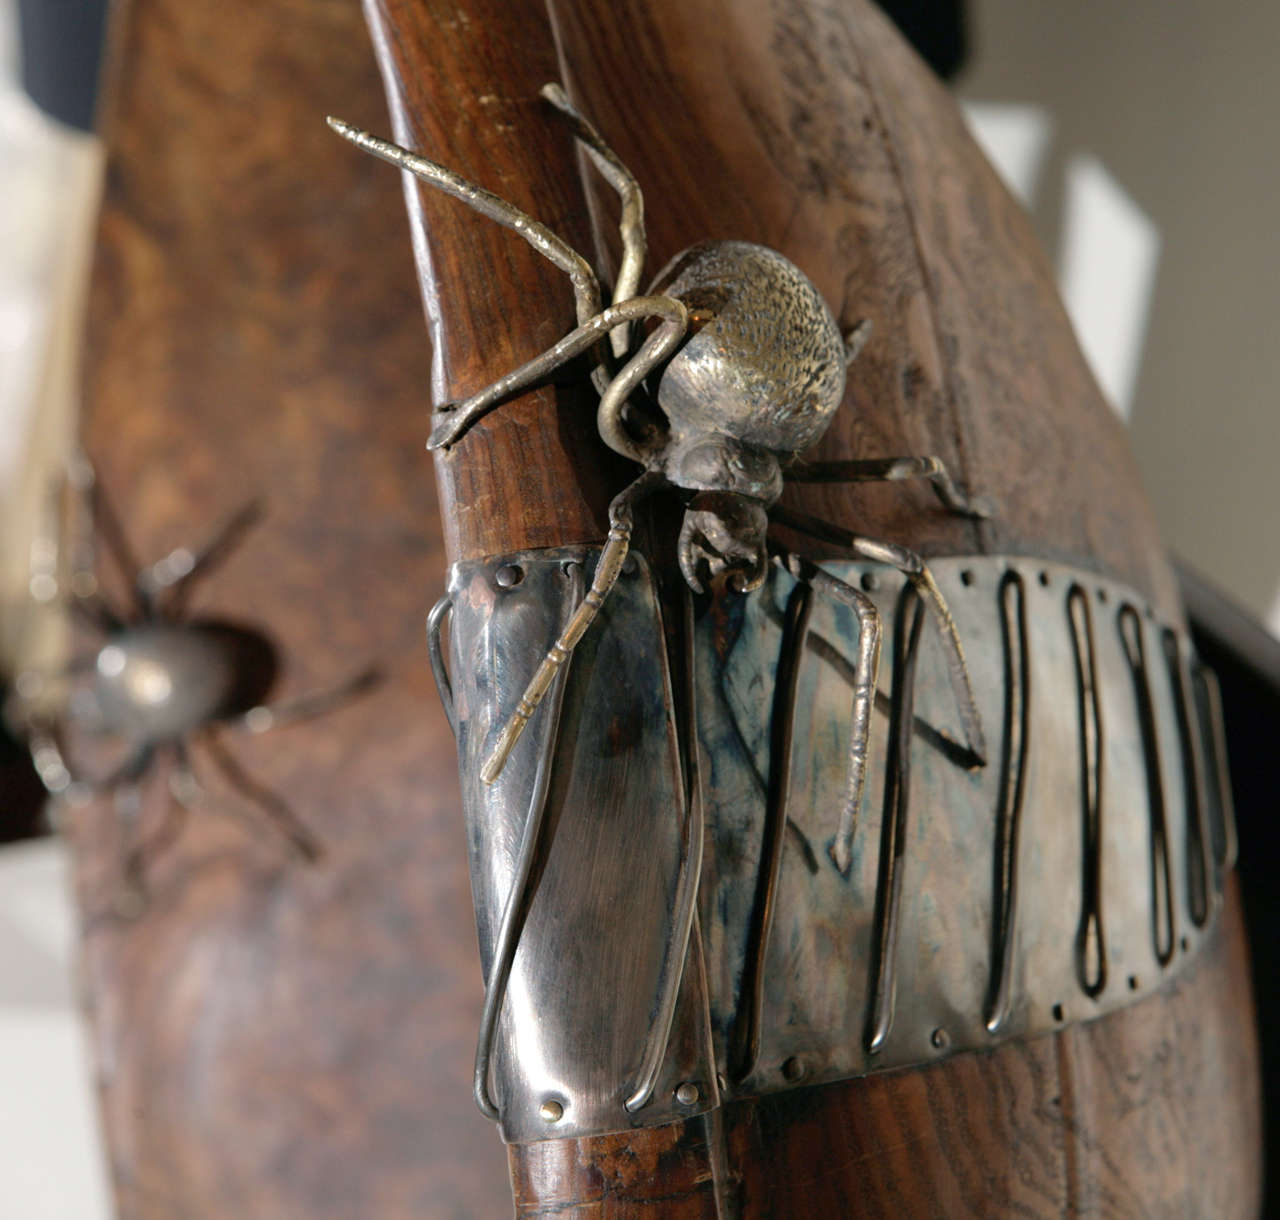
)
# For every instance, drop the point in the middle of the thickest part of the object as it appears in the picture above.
(603, 1024)
(1067, 878)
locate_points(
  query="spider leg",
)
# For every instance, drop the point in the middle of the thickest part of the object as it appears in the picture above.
(131, 898)
(179, 570)
(684, 903)
(586, 287)
(53, 766)
(184, 790)
(893, 470)
(622, 180)
(517, 904)
(439, 669)
(103, 517)
(306, 707)
(917, 572)
(745, 1038)
(71, 530)
(866, 669)
(609, 565)
(454, 420)
(893, 834)
(294, 830)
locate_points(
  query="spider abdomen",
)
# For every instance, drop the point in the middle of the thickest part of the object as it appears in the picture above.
(768, 368)
(158, 681)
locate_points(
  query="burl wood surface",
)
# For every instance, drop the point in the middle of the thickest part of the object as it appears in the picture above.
(275, 1040)
(1147, 1114)
(812, 129)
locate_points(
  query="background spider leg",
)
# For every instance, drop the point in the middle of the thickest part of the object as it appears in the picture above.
(277, 811)
(454, 421)
(917, 572)
(178, 571)
(866, 669)
(893, 470)
(609, 565)
(184, 790)
(74, 535)
(104, 519)
(516, 906)
(53, 766)
(304, 707)
(126, 805)
(622, 180)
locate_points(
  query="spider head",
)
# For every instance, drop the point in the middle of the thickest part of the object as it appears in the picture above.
(723, 535)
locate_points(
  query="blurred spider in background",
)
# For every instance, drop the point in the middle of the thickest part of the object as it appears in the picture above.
(160, 680)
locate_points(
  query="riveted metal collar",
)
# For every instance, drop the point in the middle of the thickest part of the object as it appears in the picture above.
(1071, 875)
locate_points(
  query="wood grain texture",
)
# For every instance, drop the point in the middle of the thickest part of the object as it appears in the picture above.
(462, 81)
(812, 129)
(1150, 1112)
(275, 1040)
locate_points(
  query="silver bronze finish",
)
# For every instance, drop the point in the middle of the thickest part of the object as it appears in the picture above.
(870, 895)
(748, 369)
(976, 898)
(974, 902)
(160, 680)
(587, 918)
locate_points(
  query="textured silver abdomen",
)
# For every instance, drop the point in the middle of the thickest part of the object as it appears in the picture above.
(769, 367)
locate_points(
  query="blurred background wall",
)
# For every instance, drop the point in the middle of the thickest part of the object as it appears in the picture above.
(1149, 131)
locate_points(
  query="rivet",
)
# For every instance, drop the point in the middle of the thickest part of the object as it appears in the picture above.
(794, 1069)
(940, 1039)
(551, 1110)
(687, 1093)
(508, 576)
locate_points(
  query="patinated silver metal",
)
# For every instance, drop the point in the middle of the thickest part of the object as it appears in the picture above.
(585, 856)
(844, 886)
(744, 370)
(975, 905)
(160, 680)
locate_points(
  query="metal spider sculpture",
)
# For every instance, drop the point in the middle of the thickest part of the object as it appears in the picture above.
(160, 681)
(742, 372)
